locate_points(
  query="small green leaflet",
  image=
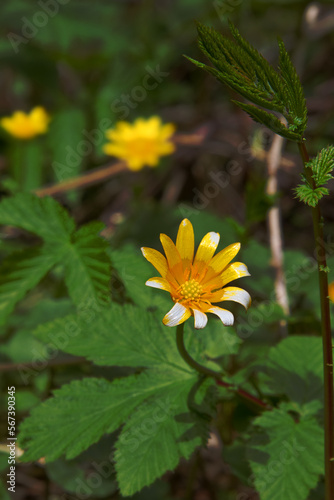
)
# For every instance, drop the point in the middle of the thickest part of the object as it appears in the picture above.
(322, 165)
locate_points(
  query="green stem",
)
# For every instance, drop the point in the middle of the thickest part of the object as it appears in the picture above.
(211, 373)
(188, 359)
(326, 333)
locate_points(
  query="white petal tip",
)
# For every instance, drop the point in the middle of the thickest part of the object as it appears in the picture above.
(177, 315)
(154, 284)
(200, 319)
(225, 316)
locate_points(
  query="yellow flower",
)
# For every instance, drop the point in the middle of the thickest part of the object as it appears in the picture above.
(26, 125)
(331, 291)
(141, 143)
(195, 283)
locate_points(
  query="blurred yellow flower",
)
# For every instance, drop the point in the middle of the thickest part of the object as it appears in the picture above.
(194, 283)
(141, 143)
(331, 291)
(26, 125)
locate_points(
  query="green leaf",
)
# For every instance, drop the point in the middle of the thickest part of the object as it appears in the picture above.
(241, 67)
(156, 436)
(310, 196)
(82, 412)
(218, 341)
(269, 120)
(19, 273)
(293, 91)
(87, 267)
(134, 270)
(41, 216)
(322, 166)
(121, 336)
(286, 456)
(295, 368)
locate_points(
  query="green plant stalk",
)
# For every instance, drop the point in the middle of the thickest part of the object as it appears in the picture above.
(326, 333)
(211, 373)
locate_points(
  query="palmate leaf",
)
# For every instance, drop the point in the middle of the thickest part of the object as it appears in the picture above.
(286, 456)
(167, 396)
(161, 426)
(19, 273)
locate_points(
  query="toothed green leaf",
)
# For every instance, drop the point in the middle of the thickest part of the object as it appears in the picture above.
(269, 120)
(240, 66)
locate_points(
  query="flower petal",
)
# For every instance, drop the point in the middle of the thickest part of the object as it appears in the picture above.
(185, 242)
(221, 260)
(200, 318)
(173, 256)
(207, 247)
(233, 272)
(226, 317)
(160, 283)
(177, 315)
(156, 259)
(232, 293)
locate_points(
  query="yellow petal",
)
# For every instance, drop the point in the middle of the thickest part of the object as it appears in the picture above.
(185, 242)
(156, 259)
(232, 293)
(233, 272)
(173, 256)
(177, 315)
(221, 260)
(204, 253)
(207, 247)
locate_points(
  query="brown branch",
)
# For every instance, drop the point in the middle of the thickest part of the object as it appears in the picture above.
(245, 395)
(101, 174)
(89, 179)
(275, 230)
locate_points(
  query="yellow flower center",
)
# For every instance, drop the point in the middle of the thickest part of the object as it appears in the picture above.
(191, 290)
